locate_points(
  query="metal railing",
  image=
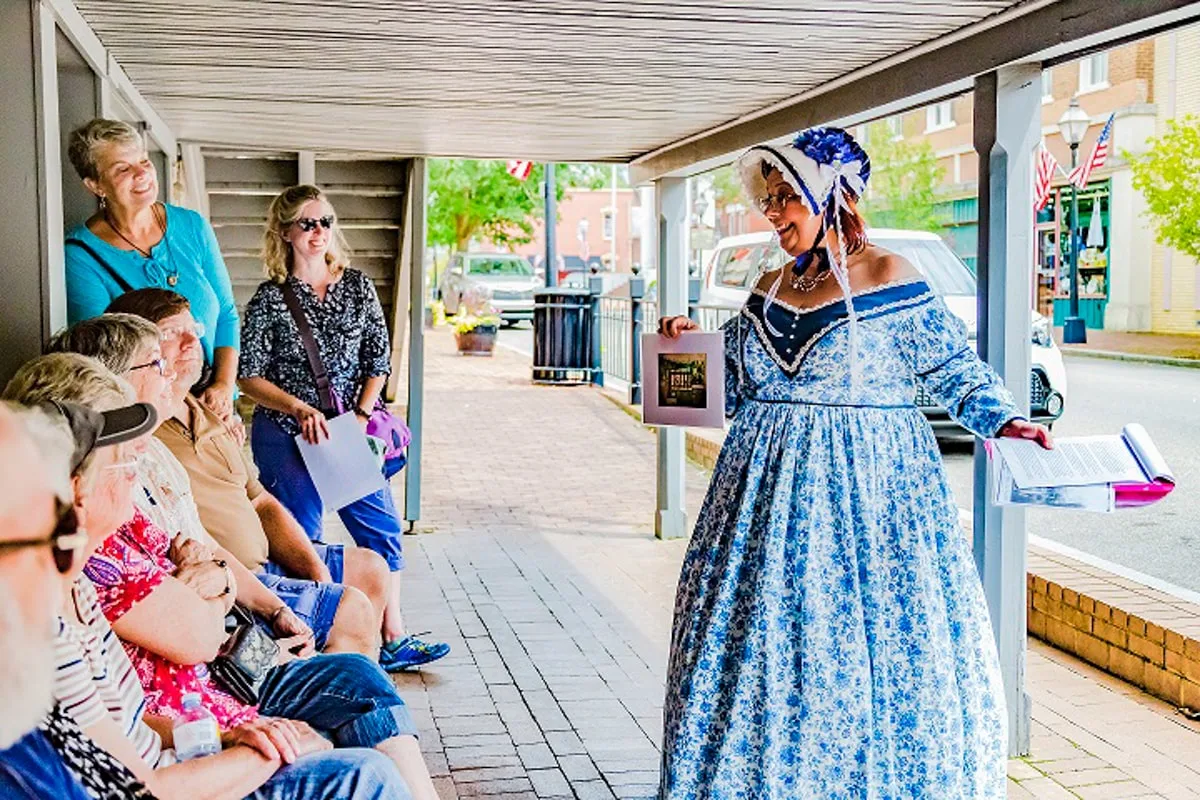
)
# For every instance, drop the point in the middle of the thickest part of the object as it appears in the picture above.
(613, 316)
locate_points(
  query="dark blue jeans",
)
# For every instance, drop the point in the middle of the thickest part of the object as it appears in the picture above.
(345, 696)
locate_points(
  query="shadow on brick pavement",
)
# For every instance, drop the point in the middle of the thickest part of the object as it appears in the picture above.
(536, 561)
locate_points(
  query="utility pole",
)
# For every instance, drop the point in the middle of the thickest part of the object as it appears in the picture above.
(551, 227)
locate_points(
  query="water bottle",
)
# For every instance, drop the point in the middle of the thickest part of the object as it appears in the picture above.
(196, 732)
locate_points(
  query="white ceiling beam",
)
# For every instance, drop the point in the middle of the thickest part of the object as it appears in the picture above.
(1057, 30)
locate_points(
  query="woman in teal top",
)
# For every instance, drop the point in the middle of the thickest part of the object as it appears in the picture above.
(135, 242)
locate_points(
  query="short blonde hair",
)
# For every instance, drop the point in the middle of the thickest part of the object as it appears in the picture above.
(284, 211)
(71, 377)
(91, 136)
(113, 339)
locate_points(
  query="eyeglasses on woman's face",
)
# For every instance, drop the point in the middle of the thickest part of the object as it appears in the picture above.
(775, 202)
(309, 224)
(65, 541)
(195, 330)
(159, 363)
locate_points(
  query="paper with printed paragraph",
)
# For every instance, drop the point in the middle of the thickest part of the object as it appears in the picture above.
(1074, 461)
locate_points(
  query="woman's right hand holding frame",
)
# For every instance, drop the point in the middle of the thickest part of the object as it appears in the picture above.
(671, 327)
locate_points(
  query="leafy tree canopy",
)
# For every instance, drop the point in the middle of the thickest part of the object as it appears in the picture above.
(905, 175)
(1168, 176)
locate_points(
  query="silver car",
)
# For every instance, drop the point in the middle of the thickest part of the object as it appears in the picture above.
(510, 279)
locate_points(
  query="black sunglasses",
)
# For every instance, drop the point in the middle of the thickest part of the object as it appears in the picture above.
(309, 224)
(65, 541)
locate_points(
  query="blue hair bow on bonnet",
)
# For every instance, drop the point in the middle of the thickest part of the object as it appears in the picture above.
(827, 169)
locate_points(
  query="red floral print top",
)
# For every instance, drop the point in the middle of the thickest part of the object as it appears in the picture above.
(126, 569)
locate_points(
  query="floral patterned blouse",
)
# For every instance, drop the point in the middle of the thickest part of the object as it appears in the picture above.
(125, 570)
(350, 332)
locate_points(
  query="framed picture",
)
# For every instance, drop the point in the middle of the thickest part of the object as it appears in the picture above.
(683, 379)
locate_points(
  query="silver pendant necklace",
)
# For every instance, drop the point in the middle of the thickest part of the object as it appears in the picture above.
(803, 283)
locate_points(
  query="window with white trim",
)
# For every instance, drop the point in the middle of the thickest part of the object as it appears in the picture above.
(895, 126)
(1047, 86)
(939, 116)
(1093, 73)
(607, 224)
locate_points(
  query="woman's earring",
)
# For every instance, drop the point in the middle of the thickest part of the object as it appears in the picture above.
(103, 202)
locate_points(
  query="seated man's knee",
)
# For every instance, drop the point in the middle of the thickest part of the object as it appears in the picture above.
(367, 571)
(355, 614)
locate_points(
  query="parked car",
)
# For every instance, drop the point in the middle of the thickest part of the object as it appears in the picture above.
(510, 278)
(739, 260)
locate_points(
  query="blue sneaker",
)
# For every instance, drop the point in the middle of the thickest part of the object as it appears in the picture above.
(410, 652)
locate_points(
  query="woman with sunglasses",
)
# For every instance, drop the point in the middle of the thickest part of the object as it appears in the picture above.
(306, 257)
(124, 692)
(134, 241)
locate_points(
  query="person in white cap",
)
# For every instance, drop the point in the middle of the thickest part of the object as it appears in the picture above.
(831, 637)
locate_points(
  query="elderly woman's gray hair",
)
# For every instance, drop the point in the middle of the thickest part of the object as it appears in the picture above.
(90, 137)
(71, 377)
(113, 339)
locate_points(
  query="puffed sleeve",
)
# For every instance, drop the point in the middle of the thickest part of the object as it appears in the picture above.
(374, 356)
(734, 387)
(226, 334)
(256, 333)
(943, 360)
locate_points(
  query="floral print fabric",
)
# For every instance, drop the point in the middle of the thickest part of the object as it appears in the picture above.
(349, 328)
(125, 570)
(831, 638)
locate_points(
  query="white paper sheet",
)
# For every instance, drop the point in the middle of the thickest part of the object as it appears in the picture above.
(1099, 498)
(343, 467)
(1074, 461)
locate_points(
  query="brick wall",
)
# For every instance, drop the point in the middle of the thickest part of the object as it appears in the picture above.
(1155, 657)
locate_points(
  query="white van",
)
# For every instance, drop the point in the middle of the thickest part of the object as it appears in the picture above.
(739, 260)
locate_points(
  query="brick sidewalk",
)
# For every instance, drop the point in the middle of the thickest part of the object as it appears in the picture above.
(537, 562)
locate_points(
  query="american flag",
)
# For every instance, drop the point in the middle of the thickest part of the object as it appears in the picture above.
(519, 169)
(1080, 175)
(1043, 176)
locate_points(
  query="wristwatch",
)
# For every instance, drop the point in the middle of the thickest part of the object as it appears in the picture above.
(358, 412)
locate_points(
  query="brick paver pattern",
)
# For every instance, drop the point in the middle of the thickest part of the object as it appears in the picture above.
(536, 560)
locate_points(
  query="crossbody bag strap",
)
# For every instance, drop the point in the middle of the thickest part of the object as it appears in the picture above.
(104, 265)
(320, 375)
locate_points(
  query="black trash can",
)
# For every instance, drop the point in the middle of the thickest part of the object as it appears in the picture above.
(562, 336)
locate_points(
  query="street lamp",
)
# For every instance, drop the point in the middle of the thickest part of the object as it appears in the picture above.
(1073, 126)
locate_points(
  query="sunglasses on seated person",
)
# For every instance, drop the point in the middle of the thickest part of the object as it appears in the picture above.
(65, 541)
(308, 224)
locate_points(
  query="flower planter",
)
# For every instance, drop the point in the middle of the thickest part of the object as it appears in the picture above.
(479, 341)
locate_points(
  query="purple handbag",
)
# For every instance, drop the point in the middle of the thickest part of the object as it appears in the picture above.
(382, 423)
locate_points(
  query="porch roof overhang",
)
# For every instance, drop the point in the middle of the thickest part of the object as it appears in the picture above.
(671, 87)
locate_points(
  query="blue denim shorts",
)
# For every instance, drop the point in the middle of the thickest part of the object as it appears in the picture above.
(346, 697)
(315, 603)
(373, 521)
(334, 556)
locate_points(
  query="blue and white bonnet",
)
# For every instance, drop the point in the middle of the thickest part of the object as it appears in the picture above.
(827, 169)
(823, 165)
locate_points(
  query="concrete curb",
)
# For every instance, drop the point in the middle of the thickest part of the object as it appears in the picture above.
(1141, 358)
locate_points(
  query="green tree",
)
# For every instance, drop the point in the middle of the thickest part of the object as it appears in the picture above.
(1168, 176)
(904, 180)
(470, 199)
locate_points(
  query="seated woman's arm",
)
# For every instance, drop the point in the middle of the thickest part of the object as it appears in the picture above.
(175, 623)
(228, 775)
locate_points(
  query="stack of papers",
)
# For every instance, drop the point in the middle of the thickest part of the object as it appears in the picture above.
(1088, 473)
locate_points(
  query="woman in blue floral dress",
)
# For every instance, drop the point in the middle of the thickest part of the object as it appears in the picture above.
(831, 638)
